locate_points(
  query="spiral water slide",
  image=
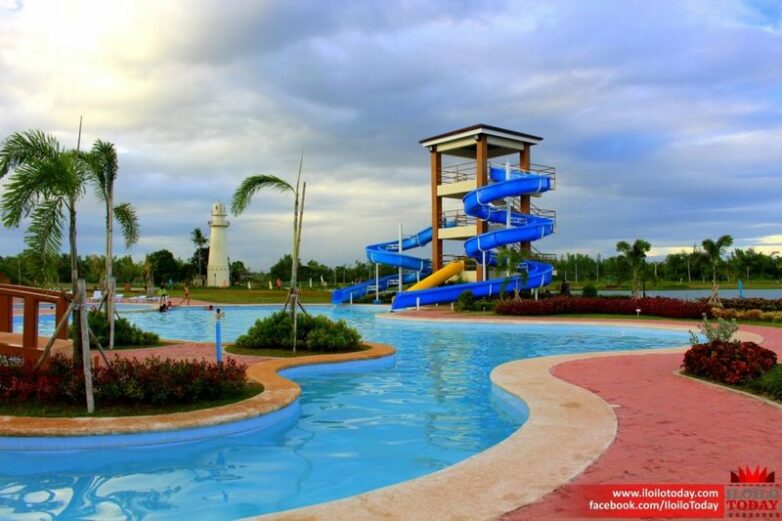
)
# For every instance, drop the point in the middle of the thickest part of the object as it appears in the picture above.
(387, 253)
(517, 228)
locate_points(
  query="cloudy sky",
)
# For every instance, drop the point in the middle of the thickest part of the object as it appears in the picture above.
(664, 119)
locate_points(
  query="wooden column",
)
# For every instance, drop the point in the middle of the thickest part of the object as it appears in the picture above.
(482, 179)
(30, 330)
(61, 308)
(525, 201)
(436, 160)
(6, 314)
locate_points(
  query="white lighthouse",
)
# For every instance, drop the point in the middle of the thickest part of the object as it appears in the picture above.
(217, 274)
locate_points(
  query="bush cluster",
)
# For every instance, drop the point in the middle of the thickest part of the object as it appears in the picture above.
(657, 306)
(152, 381)
(314, 333)
(468, 302)
(744, 304)
(769, 383)
(756, 315)
(728, 362)
(126, 334)
(589, 291)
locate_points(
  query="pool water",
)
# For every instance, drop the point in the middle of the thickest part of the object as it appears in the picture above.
(358, 429)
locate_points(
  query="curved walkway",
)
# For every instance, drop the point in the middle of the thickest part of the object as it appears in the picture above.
(672, 429)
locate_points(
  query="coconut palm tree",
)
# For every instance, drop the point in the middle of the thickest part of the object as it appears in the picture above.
(45, 183)
(713, 252)
(104, 166)
(635, 256)
(200, 240)
(241, 200)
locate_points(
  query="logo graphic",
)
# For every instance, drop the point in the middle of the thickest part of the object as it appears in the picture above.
(747, 475)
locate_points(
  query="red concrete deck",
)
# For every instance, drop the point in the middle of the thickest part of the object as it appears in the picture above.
(671, 429)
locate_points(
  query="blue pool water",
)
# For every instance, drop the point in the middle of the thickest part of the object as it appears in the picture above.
(358, 430)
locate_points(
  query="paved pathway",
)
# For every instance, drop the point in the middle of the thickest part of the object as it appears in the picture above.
(671, 429)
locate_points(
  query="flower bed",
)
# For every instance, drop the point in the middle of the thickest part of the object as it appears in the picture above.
(728, 362)
(756, 315)
(744, 304)
(657, 306)
(152, 381)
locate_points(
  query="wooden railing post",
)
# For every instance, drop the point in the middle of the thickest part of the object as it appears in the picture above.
(6, 314)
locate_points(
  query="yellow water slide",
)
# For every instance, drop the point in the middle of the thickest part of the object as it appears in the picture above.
(439, 276)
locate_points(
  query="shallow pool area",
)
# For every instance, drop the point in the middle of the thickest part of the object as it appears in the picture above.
(357, 429)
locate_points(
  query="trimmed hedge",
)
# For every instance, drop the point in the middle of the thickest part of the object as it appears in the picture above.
(657, 306)
(744, 304)
(750, 314)
(731, 363)
(314, 333)
(152, 381)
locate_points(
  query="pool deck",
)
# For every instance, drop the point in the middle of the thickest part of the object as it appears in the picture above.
(595, 418)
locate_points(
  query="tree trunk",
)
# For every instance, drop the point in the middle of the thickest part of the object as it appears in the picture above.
(77, 347)
(715, 298)
(110, 263)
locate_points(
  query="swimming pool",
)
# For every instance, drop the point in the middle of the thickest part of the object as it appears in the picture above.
(357, 430)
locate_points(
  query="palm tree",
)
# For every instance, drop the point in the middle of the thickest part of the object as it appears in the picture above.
(241, 200)
(713, 252)
(635, 255)
(45, 182)
(103, 163)
(200, 240)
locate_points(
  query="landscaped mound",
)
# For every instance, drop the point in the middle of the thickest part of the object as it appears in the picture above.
(314, 333)
(152, 381)
(657, 306)
(723, 359)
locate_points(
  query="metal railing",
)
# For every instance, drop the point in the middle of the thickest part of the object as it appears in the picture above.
(468, 171)
(542, 212)
(460, 172)
(452, 218)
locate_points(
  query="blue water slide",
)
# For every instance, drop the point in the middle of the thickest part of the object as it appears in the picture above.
(483, 248)
(387, 253)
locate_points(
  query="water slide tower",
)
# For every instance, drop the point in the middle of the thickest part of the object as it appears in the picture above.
(217, 271)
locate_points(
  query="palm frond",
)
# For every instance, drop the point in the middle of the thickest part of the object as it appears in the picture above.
(25, 147)
(128, 222)
(44, 235)
(244, 193)
(103, 164)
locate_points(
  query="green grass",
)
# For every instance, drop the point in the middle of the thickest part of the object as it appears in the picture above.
(251, 296)
(281, 353)
(35, 409)
(769, 385)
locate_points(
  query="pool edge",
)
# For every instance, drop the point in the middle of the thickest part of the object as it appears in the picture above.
(279, 392)
(568, 429)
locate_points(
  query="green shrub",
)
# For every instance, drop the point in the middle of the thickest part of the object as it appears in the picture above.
(126, 334)
(465, 302)
(484, 304)
(723, 331)
(589, 291)
(314, 333)
(769, 384)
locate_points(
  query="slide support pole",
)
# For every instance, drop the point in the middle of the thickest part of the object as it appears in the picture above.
(400, 252)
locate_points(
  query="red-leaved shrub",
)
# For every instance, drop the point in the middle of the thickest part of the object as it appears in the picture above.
(728, 362)
(656, 306)
(152, 381)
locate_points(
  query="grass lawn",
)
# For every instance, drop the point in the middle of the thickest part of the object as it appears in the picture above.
(72, 411)
(670, 285)
(280, 353)
(251, 296)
